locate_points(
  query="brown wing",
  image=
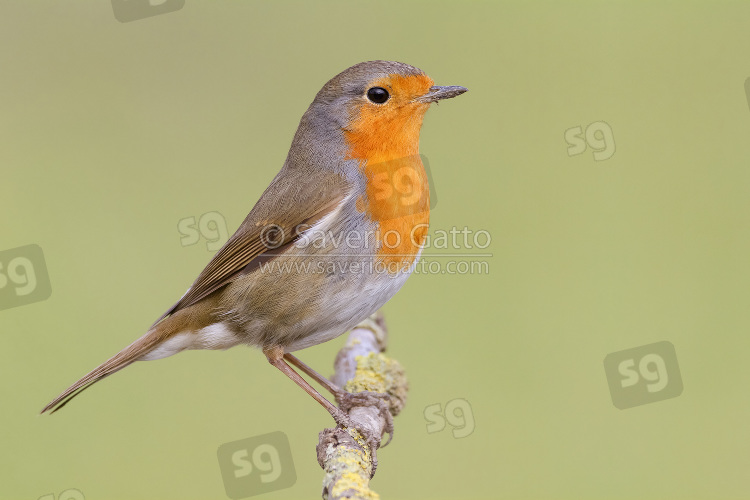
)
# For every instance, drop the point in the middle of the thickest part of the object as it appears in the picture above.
(284, 211)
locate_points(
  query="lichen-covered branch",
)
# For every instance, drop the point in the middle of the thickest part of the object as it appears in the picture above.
(360, 365)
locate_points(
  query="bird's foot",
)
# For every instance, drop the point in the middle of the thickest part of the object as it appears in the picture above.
(349, 400)
(344, 421)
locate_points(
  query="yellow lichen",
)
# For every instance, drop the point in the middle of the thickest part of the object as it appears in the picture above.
(349, 471)
(376, 372)
(356, 483)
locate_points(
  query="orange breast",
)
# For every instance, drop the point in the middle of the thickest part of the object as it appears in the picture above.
(398, 199)
(385, 138)
(386, 141)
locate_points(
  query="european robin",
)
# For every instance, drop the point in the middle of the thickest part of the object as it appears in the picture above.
(331, 240)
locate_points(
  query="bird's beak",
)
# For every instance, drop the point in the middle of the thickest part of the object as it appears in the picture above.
(437, 93)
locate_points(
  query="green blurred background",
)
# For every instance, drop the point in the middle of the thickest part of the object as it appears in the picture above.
(111, 133)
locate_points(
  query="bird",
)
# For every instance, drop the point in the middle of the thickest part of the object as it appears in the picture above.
(333, 237)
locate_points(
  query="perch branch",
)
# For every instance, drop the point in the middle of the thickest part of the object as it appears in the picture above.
(360, 365)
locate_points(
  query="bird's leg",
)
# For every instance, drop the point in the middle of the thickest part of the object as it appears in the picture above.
(275, 356)
(330, 386)
(347, 400)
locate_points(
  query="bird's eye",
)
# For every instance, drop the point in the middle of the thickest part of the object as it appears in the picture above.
(378, 95)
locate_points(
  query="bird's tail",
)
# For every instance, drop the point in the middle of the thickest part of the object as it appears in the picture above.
(131, 353)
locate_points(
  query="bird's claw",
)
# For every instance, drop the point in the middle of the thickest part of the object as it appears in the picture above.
(348, 400)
